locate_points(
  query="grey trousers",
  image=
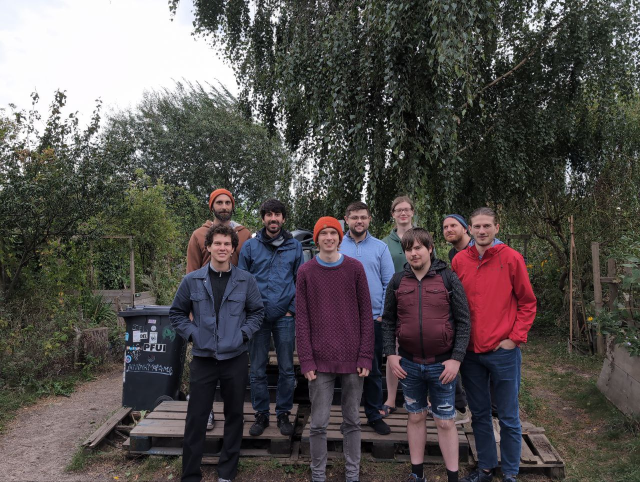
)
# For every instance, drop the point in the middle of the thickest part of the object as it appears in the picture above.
(321, 395)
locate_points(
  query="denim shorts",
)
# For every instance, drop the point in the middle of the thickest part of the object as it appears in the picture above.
(422, 381)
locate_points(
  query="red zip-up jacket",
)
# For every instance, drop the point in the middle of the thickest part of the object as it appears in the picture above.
(501, 300)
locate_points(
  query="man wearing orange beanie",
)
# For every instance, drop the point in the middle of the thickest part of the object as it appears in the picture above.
(221, 204)
(335, 339)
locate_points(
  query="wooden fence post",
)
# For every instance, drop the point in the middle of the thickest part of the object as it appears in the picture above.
(571, 286)
(597, 292)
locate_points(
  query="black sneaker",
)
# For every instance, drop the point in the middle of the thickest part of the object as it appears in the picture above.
(478, 475)
(380, 426)
(262, 422)
(286, 428)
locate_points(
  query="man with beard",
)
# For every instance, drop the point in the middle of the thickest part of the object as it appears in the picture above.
(503, 307)
(378, 265)
(273, 258)
(456, 231)
(221, 204)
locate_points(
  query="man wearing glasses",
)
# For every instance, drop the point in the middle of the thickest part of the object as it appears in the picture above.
(378, 266)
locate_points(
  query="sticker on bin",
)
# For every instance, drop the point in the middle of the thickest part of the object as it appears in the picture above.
(161, 348)
(153, 338)
(144, 335)
(126, 336)
(151, 321)
(136, 336)
(127, 359)
(153, 328)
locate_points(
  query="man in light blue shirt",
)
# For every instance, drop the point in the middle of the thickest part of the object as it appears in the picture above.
(378, 265)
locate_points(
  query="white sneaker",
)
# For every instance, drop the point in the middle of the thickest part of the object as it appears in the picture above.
(462, 418)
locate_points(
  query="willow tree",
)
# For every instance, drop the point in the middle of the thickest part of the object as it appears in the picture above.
(404, 95)
(369, 90)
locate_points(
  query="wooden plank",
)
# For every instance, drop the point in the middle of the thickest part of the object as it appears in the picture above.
(542, 447)
(527, 456)
(472, 445)
(177, 431)
(106, 428)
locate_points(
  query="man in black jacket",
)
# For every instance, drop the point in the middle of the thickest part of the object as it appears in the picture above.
(227, 310)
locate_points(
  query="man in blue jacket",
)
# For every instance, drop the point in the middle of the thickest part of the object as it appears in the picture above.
(378, 265)
(227, 311)
(273, 257)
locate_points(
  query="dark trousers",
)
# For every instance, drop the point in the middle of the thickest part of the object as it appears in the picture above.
(205, 373)
(372, 393)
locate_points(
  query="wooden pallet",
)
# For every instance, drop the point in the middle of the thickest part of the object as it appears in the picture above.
(161, 433)
(537, 456)
(393, 446)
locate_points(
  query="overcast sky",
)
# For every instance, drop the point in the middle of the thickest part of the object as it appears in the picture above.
(112, 49)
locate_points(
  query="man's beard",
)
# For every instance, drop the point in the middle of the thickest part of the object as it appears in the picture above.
(222, 217)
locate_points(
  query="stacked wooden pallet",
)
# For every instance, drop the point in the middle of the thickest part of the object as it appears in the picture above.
(161, 433)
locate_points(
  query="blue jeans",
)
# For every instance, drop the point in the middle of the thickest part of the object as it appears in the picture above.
(372, 392)
(503, 368)
(422, 381)
(284, 335)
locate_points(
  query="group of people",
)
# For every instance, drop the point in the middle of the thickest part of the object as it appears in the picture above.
(358, 299)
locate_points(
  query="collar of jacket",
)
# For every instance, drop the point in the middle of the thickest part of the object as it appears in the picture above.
(263, 238)
(472, 249)
(203, 274)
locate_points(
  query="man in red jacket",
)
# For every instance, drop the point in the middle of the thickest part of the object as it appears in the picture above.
(503, 307)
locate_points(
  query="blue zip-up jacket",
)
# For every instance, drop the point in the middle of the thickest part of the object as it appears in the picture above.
(275, 270)
(378, 265)
(241, 311)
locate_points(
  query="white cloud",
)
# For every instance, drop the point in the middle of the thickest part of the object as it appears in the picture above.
(99, 48)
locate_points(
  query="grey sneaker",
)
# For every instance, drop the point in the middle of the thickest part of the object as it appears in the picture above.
(462, 418)
(211, 422)
(414, 478)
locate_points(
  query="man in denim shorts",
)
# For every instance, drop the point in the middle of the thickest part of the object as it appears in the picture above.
(426, 309)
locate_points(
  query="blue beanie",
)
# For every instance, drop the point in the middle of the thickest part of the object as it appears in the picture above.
(458, 218)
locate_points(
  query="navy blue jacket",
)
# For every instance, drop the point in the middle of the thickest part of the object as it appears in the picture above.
(275, 271)
(241, 311)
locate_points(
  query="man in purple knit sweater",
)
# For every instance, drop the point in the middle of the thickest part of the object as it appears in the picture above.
(335, 339)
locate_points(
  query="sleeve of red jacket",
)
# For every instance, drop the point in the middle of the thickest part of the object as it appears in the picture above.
(303, 328)
(367, 333)
(526, 302)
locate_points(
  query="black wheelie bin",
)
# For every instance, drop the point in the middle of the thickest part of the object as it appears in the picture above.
(153, 358)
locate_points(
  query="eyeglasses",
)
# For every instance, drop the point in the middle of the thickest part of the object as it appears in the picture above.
(361, 218)
(405, 210)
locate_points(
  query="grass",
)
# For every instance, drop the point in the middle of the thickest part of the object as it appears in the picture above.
(597, 441)
(13, 399)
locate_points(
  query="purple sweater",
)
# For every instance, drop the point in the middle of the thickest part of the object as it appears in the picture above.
(334, 329)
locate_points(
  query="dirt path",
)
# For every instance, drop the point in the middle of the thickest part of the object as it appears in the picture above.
(42, 439)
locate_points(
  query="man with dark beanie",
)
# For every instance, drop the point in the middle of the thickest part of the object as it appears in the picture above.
(227, 310)
(426, 310)
(335, 340)
(273, 256)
